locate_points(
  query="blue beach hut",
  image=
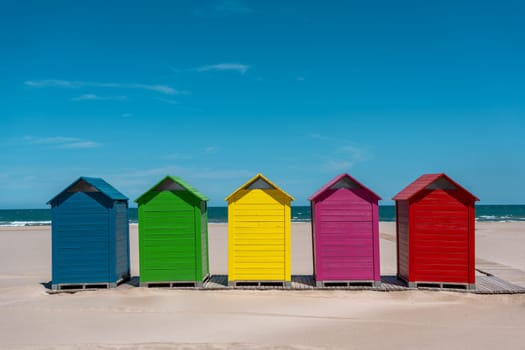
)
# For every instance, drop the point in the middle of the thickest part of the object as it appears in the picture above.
(90, 236)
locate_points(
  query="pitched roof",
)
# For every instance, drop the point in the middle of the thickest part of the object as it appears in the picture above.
(339, 178)
(423, 182)
(176, 180)
(256, 178)
(99, 185)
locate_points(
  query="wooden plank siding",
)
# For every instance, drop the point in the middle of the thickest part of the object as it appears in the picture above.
(122, 261)
(258, 237)
(259, 227)
(167, 239)
(441, 238)
(435, 231)
(342, 256)
(403, 249)
(472, 243)
(345, 232)
(90, 237)
(173, 233)
(81, 241)
(203, 218)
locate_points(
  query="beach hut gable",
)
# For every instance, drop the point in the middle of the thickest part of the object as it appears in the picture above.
(171, 184)
(345, 183)
(432, 182)
(441, 184)
(90, 185)
(260, 184)
(342, 181)
(82, 186)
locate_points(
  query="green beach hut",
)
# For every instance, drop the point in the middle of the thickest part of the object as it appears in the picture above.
(173, 235)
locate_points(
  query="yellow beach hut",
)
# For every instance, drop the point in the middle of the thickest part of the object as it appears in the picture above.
(259, 234)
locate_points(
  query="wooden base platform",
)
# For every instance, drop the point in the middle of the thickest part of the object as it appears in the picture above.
(495, 285)
(81, 286)
(336, 284)
(178, 284)
(307, 282)
(485, 284)
(175, 284)
(388, 283)
(74, 287)
(260, 284)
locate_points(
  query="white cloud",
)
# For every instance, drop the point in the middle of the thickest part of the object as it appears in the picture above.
(338, 165)
(345, 157)
(4, 176)
(93, 97)
(51, 83)
(86, 97)
(48, 140)
(236, 67)
(81, 144)
(60, 142)
(173, 69)
(163, 89)
(356, 153)
(316, 136)
(342, 155)
(168, 101)
(185, 172)
(177, 156)
(211, 149)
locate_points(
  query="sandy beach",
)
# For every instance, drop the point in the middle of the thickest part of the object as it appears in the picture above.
(138, 318)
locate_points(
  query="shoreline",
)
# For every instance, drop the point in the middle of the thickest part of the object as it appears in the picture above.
(46, 226)
(484, 213)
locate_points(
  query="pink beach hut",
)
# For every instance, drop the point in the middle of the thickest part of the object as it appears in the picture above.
(345, 233)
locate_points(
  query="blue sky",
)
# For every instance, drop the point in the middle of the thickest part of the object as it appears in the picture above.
(216, 91)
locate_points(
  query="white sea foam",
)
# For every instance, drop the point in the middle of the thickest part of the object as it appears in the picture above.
(24, 223)
(502, 218)
(488, 217)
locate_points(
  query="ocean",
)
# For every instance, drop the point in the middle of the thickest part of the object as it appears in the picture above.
(42, 217)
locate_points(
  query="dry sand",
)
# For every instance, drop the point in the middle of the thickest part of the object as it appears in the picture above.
(140, 318)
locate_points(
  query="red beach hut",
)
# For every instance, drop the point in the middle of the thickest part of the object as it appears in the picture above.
(435, 233)
(345, 233)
